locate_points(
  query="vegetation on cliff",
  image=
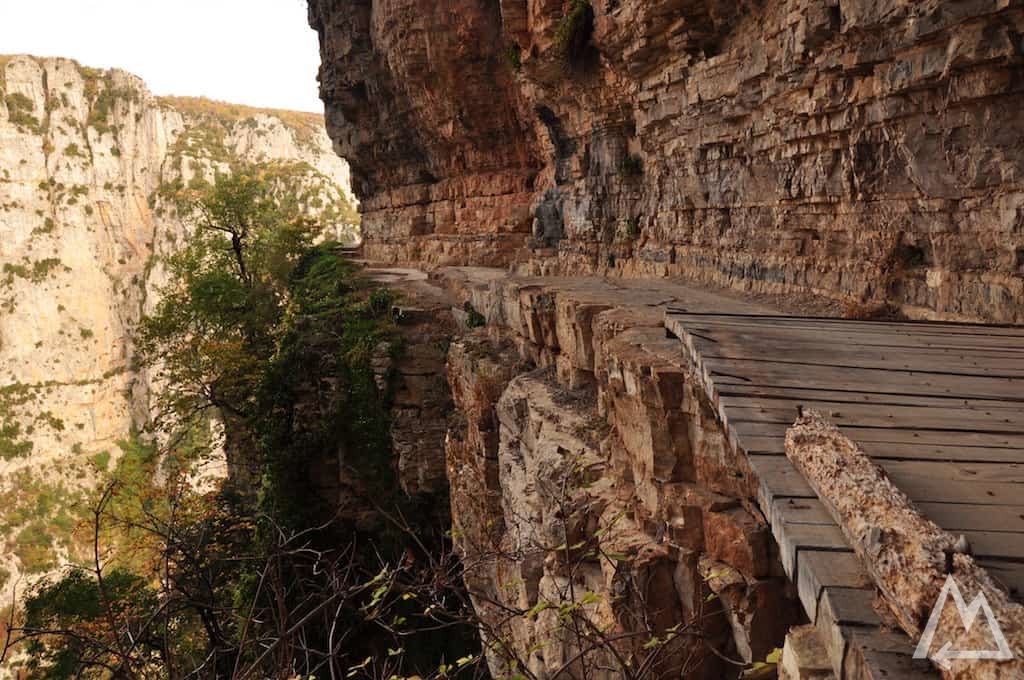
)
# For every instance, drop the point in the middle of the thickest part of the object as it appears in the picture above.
(308, 560)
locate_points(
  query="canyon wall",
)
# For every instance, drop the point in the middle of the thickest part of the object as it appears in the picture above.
(867, 151)
(90, 166)
(599, 510)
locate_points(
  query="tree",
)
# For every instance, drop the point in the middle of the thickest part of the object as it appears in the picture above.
(271, 575)
(213, 331)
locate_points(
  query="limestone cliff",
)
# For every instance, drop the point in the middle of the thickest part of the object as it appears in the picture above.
(89, 161)
(868, 151)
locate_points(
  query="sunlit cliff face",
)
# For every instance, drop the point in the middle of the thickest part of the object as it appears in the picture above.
(866, 152)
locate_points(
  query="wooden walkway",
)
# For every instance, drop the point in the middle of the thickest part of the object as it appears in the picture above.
(939, 406)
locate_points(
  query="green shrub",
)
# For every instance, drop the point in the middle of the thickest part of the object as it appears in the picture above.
(513, 57)
(19, 110)
(574, 29)
(474, 319)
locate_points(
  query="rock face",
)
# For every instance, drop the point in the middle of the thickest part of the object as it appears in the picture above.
(599, 511)
(866, 151)
(88, 163)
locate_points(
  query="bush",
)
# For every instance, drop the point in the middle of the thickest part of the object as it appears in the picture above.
(19, 110)
(513, 58)
(572, 36)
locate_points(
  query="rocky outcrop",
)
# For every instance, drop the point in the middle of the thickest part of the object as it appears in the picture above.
(90, 163)
(866, 151)
(600, 514)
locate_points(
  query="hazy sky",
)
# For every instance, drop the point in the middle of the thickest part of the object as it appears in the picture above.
(256, 52)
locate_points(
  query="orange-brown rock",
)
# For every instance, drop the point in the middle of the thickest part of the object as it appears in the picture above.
(865, 150)
(590, 490)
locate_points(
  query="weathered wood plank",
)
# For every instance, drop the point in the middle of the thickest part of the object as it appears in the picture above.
(919, 482)
(795, 538)
(819, 569)
(901, 549)
(919, 437)
(775, 445)
(809, 393)
(748, 334)
(1005, 520)
(881, 381)
(882, 655)
(817, 322)
(865, 415)
(822, 352)
(780, 477)
(1009, 575)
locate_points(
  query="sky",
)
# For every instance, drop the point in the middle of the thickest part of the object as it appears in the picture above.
(256, 52)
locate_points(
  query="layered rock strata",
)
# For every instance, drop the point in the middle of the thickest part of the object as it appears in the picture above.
(599, 510)
(867, 151)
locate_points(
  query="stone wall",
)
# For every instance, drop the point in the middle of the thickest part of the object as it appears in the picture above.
(864, 150)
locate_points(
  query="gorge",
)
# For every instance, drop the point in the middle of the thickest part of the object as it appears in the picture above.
(90, 166)
(538, 418)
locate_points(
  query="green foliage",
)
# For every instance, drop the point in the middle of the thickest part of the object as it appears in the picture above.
(11, 445)
(104, 96)
(275, 335)
(474, 319)
(513, 57)
(329, 338)
(77, 602)
(214, 329)
(73, 150)
(101, 460)
(572, 34)
(20, 111)
(214, 113)
(35, 272)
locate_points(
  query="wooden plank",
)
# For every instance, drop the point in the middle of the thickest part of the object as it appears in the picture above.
(918, 480)
(862, 415)
(966, 517)
(874, 654)
(775, 445)
(996, 545)
(808, 393)
(794, 538)
(906, 326)
(1004, 520)
(961, 473)
(919, 437)
(729, 345)
(802, 511)
(849, 606)
(747, 334)
(821, 352)
(838, 606)
(819, 569)
(881, 381)
(780, 478)
(1007, 574)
